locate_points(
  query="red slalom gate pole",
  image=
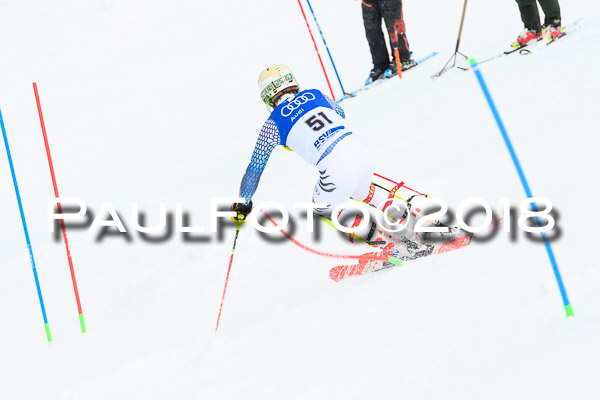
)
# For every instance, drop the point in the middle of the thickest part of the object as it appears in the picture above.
(317, 50)
(62, 221)
(397, 183)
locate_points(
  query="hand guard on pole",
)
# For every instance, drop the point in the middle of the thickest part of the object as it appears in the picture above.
(242, 210)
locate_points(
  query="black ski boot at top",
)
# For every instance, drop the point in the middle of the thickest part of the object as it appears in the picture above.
(392, 69)
(375, 74)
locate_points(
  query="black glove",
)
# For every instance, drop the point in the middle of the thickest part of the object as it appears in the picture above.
(242, 210)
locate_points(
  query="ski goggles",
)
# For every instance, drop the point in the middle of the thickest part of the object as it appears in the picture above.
(272, 88)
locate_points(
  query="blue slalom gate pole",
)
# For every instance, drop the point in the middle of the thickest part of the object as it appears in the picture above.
(515, 159)
(326, 47)
(35, 275)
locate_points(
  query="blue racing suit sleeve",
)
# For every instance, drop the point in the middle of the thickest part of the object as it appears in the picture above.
(268, 139)
(336, 107)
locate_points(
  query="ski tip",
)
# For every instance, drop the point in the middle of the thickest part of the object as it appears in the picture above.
(336, 274)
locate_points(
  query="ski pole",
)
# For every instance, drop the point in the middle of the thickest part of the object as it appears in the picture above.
(462, 20)
(31, 259)
(317, 50)
(62, 221)
(237, 232)
(567, 304)
(326, 47)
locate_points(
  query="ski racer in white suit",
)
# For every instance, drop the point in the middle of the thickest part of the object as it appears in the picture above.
(313, 126)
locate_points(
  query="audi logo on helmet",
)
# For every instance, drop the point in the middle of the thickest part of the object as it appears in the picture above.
(289, 108)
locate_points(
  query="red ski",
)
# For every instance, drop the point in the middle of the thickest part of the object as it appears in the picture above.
(385, 258)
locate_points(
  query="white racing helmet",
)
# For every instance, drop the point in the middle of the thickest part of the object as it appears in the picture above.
(275, 81)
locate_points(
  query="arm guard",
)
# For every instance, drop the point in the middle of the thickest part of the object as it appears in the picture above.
(268, 139)
(336, 107)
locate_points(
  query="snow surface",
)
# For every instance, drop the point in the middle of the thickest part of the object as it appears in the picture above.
(149, 101)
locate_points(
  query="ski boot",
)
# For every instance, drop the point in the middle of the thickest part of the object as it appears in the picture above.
(401, 247)
(375, 74)
(525, 37)
(408, 64)
(433, 238)
(551, 32)
(437, 238)
(392, 69)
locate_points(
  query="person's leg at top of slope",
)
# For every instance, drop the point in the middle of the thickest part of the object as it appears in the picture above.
(533, 30)
(393, 16)
(372, 17)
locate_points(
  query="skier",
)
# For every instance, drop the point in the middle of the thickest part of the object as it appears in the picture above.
(312, 125)
(373, 11)
(531, 19)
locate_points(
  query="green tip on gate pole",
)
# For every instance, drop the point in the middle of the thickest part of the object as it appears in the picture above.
(569, 310)
(48, 333)
(82, 323)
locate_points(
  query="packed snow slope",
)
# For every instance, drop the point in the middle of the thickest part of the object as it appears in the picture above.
(149, 101)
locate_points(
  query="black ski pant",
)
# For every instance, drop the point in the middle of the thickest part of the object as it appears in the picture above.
(531, 16)
(391, 12)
